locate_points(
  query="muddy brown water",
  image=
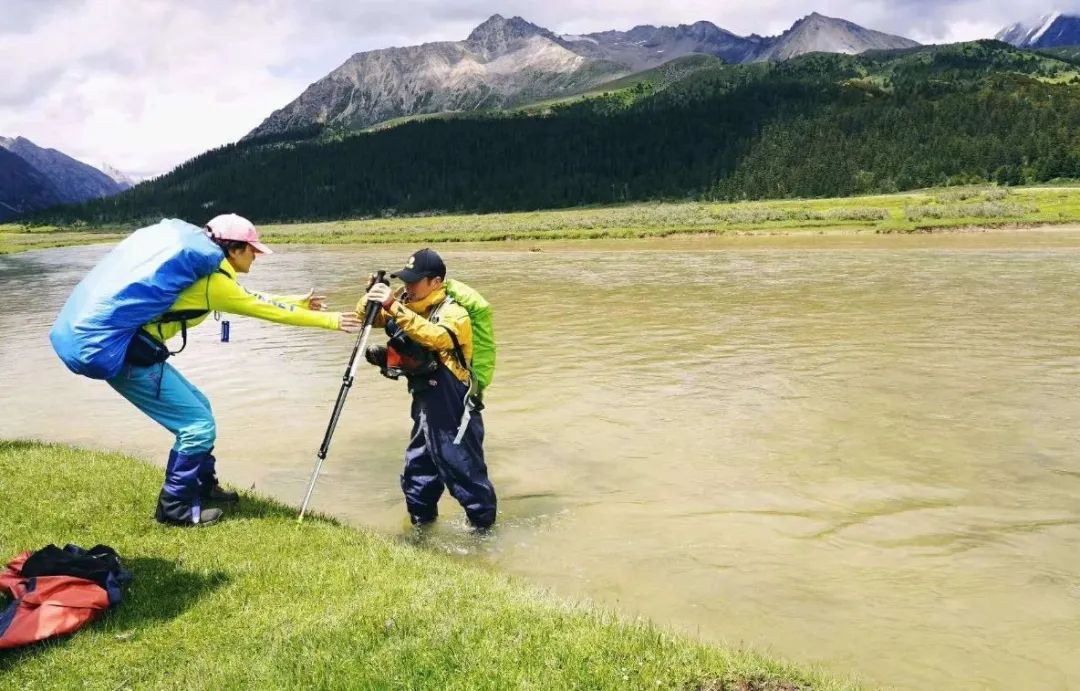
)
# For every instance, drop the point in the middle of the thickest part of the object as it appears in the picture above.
(855, 452)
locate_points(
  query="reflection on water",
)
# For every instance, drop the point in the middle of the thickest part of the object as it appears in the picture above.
(858, 452)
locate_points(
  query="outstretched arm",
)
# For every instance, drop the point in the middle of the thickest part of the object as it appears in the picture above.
(309, 300)
(226, 295)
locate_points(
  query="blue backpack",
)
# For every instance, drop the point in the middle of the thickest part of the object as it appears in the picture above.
(135, 283)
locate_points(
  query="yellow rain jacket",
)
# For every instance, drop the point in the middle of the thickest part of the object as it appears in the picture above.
(412, 318)
(220, 292)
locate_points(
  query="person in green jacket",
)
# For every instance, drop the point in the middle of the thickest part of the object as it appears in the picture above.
(156, 388)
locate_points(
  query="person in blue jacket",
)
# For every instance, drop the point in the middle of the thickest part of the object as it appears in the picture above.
(159, 390)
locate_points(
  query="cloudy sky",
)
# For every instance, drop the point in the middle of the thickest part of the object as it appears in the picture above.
(146, 84)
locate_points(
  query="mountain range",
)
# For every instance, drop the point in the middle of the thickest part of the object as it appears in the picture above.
(818, 125)
(510, 65)
(507, 62)
(1050, 31)
(33, 177)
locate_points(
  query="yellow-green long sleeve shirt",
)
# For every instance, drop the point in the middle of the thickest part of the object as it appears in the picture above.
(220, 292)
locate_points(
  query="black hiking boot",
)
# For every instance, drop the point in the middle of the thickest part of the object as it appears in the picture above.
(480, 523)
(177, 512)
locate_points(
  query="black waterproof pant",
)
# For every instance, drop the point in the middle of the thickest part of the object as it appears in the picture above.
(438, 456)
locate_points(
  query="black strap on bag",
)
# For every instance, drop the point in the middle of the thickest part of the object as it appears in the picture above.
(182, 316)
(144, 350)
(459, 355)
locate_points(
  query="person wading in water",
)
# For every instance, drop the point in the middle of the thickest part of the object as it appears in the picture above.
(431, 344)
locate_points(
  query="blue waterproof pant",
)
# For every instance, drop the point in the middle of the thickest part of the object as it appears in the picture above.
(433, 461)
(173, 402)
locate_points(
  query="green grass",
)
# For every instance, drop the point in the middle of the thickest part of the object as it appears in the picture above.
(258, 602)
(17, 238)
(934, 210)
(923, 211)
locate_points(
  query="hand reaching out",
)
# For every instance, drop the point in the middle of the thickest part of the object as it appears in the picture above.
(314, 302)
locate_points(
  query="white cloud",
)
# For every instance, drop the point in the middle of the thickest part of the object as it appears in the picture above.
(143, 85)
(146, 85)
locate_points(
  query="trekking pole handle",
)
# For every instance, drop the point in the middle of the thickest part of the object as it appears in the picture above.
(372, 306)
(370, 312)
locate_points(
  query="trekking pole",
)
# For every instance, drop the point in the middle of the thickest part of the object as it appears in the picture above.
(346, 384)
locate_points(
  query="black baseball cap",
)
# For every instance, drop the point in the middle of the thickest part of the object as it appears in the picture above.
(423, 264)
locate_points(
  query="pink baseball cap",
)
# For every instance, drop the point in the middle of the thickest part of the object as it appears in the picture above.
(233, 227)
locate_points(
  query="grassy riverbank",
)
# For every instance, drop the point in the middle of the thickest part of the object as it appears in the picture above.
(938, 210)
(257, 602)
(15, 238)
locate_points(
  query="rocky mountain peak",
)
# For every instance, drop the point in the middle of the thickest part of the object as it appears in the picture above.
(504, 61)
(1052, 30)
(817, 33)
(118, 176)
(72, 180)
(705, 31)
(817, 20)
(496, 35)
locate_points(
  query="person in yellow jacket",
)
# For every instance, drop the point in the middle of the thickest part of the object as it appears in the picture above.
(431, 346)
(156, 388)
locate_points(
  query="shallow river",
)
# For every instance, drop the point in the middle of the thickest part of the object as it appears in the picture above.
(856, 452)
